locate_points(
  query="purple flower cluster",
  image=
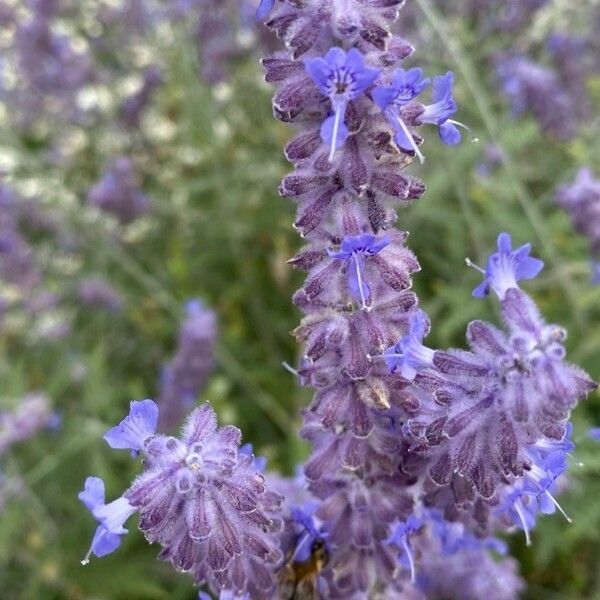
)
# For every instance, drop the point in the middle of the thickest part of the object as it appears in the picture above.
(50, 72)
(581, 199)
(96, 292)
(200, 497)
(533, 87)
(183, 378)
(118, 193)
(31, 414)
(488, 421)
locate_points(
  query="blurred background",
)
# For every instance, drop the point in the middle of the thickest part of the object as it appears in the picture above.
(143, 248)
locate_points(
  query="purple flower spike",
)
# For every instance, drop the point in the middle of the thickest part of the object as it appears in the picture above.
(110, 517)
(442, 109)
(341, 77)
(409, 354)
(354, 249)
(135, 428)
(506, 267)
(596, 273)
(594, 433)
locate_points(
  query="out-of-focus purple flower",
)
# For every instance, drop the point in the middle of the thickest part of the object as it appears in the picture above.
(594, 433)
(581, 199)
(532, 87)
(183, 377)
(32, 414)
(97, 292)
(133, 106)
(117, 192)
(136, 428)
(506, 267)
(50, 73)
(111, 518)
(342, 77)
(409, 354)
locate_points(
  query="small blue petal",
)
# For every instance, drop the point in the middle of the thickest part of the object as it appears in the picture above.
(264, 8)
(132, 431)
(449, 133)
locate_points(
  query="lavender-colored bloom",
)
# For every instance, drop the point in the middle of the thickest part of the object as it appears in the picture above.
(532, 87)
(354, 249)
(594, 433)
(30, 415)
(184, 376)
(443, 108)
(581, 199)
(50, 72)
(506, 267)
(205, 503)
(133, 106)
(117, 192)
(409, 354)
(493, 405)
(342, 77)
(136, 428)
(97, 292)
(111, 518)
(406, 85)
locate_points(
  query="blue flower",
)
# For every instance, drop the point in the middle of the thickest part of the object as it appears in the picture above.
(259, 463)
(406, 86)
(134, 429)
(354, 249)
(341, 77)
(400, 537)
(506, 267)
(264, 8)
(594, 433)
(311, 530)
(110, 517)
(596, 272)
(521, 508)
(409, 354)
(443, 108)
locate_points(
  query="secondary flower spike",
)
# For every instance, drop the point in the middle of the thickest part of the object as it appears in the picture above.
(201, 498)
(342, 77)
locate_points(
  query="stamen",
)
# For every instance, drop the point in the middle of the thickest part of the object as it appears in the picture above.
(519, 510)
(471, 264)
(410, 559)
(360, 281)
(410, 138)
(336, 127)
(560, 508)
(466, 127)
(289, 368)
